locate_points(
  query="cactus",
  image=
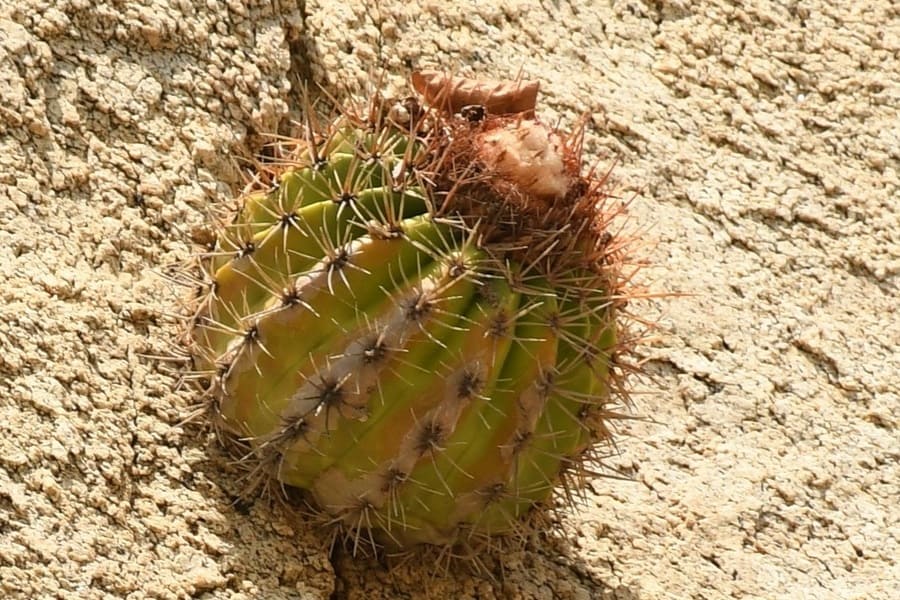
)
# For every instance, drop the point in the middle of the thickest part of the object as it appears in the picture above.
(416, 315)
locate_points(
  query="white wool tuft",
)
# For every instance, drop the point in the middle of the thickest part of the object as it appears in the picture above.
(528, 154)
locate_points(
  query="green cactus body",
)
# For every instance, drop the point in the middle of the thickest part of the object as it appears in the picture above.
(399, 330)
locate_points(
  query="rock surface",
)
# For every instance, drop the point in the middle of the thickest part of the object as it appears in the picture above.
(761, 143)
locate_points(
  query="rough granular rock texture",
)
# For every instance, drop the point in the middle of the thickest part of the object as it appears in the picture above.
(762, 144)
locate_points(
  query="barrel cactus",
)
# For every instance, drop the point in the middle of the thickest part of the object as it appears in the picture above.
(416, 316)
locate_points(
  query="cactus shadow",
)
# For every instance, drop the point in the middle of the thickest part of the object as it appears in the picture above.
(283, 525)
(549, 564)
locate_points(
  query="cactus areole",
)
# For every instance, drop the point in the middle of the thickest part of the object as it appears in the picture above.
(416, 315)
